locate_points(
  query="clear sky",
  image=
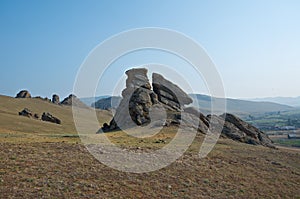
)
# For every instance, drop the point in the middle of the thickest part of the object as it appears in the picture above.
(254, 44)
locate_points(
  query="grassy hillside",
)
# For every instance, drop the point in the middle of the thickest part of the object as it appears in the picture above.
(44, 160)
(10, 121)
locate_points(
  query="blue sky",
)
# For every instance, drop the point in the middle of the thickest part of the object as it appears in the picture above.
(254, 44)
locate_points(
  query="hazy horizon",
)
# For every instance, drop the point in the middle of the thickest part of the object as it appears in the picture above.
(255, 45)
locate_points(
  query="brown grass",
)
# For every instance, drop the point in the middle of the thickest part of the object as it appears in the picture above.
(53, 163)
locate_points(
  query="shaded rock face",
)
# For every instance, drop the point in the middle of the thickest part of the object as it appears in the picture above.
(239, 130)
(72, 100)
(169, 93)
(140, 104)
(23, 94)
(50, 118)
(247, 133)
(55, 99)
(138, 98)
(165, 106)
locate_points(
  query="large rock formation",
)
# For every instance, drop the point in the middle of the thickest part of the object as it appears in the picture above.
(165, 106)
(139, 101)
(72, 100)
(23, 94)
(134, 107)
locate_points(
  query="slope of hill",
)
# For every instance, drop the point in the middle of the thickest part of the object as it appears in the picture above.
(10, 121)
(41, 159)
(239, 107)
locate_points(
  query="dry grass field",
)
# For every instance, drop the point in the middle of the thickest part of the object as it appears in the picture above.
(45, 160)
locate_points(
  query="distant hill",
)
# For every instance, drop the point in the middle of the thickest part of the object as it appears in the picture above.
(107, 103)
(290, 101)
(239, 107)
(90, 100)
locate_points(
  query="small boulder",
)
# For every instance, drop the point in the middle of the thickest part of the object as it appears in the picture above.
(36, 116)
(50, 118)
(26, 112)
(23, 94)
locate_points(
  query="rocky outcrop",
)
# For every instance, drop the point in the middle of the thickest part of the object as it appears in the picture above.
(165, 106)
(234, 128)
(134, 108)
(139, 102)
(55, 99)
(72, 100)
(50, 118)
(23, 94)
(237, 129)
